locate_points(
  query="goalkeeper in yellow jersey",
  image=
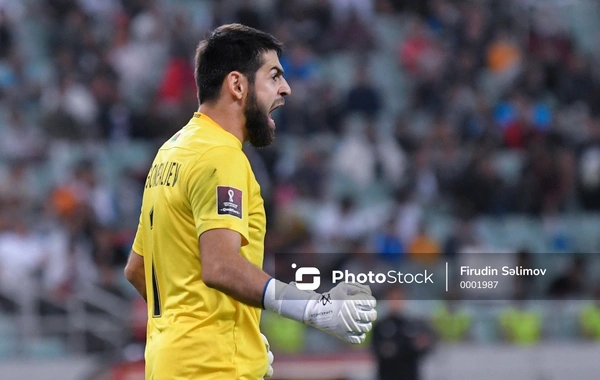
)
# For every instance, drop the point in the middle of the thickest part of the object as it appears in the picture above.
(198, 251)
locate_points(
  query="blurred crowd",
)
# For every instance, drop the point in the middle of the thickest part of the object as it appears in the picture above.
(499, 114)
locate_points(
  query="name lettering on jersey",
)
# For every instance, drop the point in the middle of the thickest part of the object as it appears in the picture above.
(229, 201)
(163, 174)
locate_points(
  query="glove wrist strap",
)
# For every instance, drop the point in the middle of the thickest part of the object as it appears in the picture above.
(286, 300)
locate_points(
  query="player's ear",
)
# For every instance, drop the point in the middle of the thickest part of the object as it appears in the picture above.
(237, 84)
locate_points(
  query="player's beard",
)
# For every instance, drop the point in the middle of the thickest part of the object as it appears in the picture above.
(260, 134)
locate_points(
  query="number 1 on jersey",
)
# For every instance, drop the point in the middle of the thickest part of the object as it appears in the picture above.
(155, 293)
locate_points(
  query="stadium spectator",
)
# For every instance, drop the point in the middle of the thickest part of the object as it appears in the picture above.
(17, 189)
(524, 286)
(69, 109)
(353, 34)
(299, 64)
(345, 9)
(570, 283)
(399, 343)
(355, 159)
(326, 115)
(388, 245)
(461, 237)
(363, 97)
(424, 248)
(6, 35)
(480, 189)
(589, 317)
(588, 175)
(419, 53)
(420, 176)
(22, 256)
(503, 55)
(520, 324)
(247, 14)
(340, 223)
(451, 321)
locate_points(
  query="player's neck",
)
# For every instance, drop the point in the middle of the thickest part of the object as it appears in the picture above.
(227, 118)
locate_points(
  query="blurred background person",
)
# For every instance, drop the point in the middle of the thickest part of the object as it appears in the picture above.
(399, 342)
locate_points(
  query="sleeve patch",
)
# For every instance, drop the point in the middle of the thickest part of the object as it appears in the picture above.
(229, 201)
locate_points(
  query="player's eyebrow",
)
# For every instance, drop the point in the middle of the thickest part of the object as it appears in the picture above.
(279, 70)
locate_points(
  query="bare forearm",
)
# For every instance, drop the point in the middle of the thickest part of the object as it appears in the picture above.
(239, 279)
(134, 273)
(139, 283)
(224, 269)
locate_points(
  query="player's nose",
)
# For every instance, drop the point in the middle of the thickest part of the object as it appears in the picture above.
(285, 88)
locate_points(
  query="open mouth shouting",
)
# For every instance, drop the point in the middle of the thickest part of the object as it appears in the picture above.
(277, 105)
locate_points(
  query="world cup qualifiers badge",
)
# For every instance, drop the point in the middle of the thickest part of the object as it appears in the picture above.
(229, 201)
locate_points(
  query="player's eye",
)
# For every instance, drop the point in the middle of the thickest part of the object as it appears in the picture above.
(275, 77)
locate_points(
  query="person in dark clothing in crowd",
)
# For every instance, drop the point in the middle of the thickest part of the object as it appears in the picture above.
(570, 283)
(399, 342)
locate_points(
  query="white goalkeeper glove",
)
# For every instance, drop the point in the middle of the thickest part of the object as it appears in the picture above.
(269, 356)
(347, 311)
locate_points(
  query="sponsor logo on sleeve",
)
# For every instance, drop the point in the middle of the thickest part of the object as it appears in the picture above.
(229, 201)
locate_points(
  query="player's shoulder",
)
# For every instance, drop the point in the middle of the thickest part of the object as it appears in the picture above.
(202, 136)
(222, 158)
(226, 153)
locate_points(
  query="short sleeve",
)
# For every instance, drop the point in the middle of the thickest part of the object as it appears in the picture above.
(138, 246)
(218, 189)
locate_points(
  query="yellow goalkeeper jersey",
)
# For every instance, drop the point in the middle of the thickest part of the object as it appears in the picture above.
(200, 180)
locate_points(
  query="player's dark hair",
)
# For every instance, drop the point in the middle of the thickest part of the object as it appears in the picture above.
(232, 47)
